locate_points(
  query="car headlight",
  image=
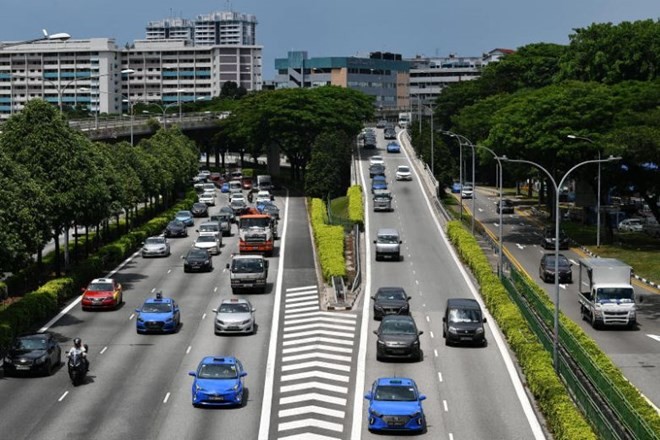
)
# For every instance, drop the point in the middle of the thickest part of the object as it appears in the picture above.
(8, 360)
(632, 314)
(381, 343)
(375, 413)
(220, 322)
(236, 387)
(452, 330)
(140, 319)
(247, 321)
(170, 319)
(378, 307)
(198, 388)
(110, 298)
(479, 330)
(40, 360)
(415, 343)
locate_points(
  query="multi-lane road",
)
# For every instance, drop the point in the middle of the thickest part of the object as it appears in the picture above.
(307, 369)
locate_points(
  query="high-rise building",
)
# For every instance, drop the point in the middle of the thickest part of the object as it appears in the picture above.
(217, 28)
(170, 29)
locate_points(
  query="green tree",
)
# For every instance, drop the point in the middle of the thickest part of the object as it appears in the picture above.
(328, 171)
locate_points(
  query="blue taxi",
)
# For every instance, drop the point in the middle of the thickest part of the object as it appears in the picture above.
(159, 314)
(395, 404)
(219, 381)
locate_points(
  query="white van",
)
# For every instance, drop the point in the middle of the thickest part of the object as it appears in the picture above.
(235, 186)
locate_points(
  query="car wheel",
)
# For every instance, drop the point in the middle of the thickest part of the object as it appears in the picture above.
(48, 371)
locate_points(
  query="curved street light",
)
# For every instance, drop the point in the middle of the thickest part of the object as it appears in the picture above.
(556, 186)
(582, 138)
(461, 141)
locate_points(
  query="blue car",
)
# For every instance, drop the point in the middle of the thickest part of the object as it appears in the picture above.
(393, 147)
(395, 405)
(218, 382)
(456, 188)
(224, 188)
(378, 182)
(158, 315)
(185, 217)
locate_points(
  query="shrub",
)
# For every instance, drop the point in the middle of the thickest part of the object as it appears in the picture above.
(329, 241)
(355, 204)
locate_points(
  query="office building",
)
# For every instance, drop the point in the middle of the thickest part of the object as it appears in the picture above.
(217, 28)
(382, 75)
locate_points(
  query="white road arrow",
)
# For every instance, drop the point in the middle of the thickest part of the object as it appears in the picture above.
(656, 337)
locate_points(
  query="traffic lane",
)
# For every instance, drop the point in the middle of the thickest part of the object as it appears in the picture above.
(425, 254)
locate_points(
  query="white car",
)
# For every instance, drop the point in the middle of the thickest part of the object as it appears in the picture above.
(403, 172)
(208, 198)
(631, 225)
(237, 196)
(376, 159)
(263, 196)
(209, 243)
(467, 191)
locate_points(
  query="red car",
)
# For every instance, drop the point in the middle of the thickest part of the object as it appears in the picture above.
(102, 293)
(247, 183)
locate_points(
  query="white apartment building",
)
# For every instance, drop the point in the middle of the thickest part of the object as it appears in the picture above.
(217, 28)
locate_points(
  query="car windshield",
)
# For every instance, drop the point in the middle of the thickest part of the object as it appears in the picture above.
(217, 371)
(237, 203)
(388, 239)
(30, 344)
(100, 286)
(155, 240)
(199, 205)
(550, 261)
(395, 393)
(183, 214)
(620, 294)
(247, 266)
(176, 224)
(403, 169)
(208, 228)
(254, 222)
(198, 254)
(391, 295)
(156, 308)
(464, 315)
(206, 239)
(234, 308)
(397, 327)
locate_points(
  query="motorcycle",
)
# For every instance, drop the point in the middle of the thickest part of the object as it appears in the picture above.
(77, 367)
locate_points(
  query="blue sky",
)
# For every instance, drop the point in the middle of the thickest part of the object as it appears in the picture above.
(338, 27)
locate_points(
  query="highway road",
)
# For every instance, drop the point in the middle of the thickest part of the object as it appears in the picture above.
(636, 352)
(138, 387)
(472, 392)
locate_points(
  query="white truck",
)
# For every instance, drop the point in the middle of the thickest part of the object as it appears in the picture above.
(606, 294)
(404, 119)
(248, 272)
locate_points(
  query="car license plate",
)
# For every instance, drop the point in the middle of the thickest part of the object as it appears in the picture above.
(232, 328)
(217, 398)
(22, 367)
(466, 338)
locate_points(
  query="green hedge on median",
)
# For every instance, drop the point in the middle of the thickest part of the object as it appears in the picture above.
(355, 204)
(329, 241)
(38, 306)
(564, 419)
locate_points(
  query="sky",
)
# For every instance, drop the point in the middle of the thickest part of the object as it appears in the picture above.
(337, 27)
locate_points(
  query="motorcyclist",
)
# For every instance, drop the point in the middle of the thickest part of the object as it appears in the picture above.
(81, 348)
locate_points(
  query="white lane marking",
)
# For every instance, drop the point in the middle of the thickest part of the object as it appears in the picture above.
(317, 339)
(316, 364)
(428, 319)
(267, 401)
(313, 385)
(104, 349)
(132, 316)
(303, 304)
(327, 314)
(451, 436)
(432, 336)
(167, 397)
(315, 374)
(215, 289)
(435, 352)
(295, 328)
(413, 271)
(520, 246)
(439, 376)
(496, 224)
(316, 355)
(317, 332)
(304, 293)
(62, 396)
(301, 311)
(337, 320)
(295, 289)
(204, 316)
(417, 282)
(153, 290)
(444, 404)
(169, 271)
(311, 409)
(302, 298)
(573, 261)
(656, 337)
(313, 396)
(317, 347)
(188, 349)
(480, 210)
(322, 424)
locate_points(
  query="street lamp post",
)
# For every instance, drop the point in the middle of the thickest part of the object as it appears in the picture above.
(557, 220)
(129, 72)
(178, 98)
(572, 136)
(461, 140)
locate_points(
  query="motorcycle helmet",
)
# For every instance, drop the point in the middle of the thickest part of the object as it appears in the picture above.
(77, 342)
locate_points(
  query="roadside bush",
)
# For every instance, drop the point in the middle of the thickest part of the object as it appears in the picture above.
(329, 241)
(563, 417)
(355, 204)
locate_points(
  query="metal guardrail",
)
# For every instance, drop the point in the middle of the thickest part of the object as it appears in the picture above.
(357, 281)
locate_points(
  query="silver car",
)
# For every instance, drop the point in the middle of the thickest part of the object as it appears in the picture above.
(210, 243)
(156, 247)
(235, 315)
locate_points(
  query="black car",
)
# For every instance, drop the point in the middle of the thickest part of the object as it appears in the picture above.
(376, 169)
(398, 338)
(197, 260)
(390, 133)
(176, 228)
(200, 210)
(507, 206)
(229, 213)
(390, 301)
(238, 206)
(463, 322)
(548, 241)
(369, 141)
(547, 269)
(33, 354)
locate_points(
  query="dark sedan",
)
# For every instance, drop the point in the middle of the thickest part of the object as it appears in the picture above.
(200, 210)
(238, 206)
(229, 213)
(376, 169)
(507, 206)
(197, 260)
(33, 354)
(390, 301)
(176, 228)
(398, 338)
(547, 269)
(548, 241)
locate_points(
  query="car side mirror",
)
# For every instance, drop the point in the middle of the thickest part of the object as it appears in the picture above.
(368, 396)
(181, 257)
(375, 241)
(254, 309)
(444, 319)
(137, 310)
(196, 230)
(375, 332)
(374, 298)
(82, 289)
(421, 332)
(192, 373)
(214, 310)
(422, 397)
(400, 241)
(243, 373)
(408, 298)
(484, 320)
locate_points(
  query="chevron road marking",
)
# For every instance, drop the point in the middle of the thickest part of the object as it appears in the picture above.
(316, 374)
(297, 289)
(316, 364)
(311, 409)
(317, 347)
(296, 294)
(299, 311)
(313, 396)
(318, 339)
(332, 357)
(310, 422)
(330, 314)
(300, 299)
(319, 319)
(317, 332)
(318, 325)
(308, 436)
(313, 385)
(302, 304)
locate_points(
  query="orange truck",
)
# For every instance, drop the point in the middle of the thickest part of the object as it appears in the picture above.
(256, 233)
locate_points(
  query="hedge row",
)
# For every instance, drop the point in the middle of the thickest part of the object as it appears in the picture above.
(629, 391)
(355, 204)
(38, 306)
(563, 417)
(329, 241)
